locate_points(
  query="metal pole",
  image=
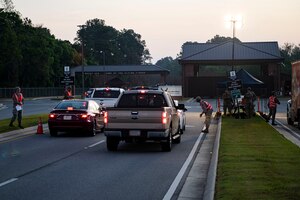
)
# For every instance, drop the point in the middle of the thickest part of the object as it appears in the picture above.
(82, 67)
(82, 61)
(233, 36)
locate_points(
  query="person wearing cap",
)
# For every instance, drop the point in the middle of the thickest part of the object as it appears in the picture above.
(272, 104)
(207, 109)
(18, 101)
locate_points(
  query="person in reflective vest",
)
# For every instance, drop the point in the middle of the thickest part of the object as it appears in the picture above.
(18, 101)
(68, 93)
(272, 104)
(207, 109)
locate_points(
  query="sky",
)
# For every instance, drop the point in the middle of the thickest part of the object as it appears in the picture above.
(166, 24)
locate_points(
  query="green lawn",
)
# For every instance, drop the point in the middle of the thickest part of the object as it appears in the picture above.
(256, 162)
(27, 121)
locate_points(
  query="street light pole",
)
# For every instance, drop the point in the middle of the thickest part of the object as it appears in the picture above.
(233, 36)
(82, 61)
(104, 70)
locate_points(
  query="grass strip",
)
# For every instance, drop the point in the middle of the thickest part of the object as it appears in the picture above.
(27, 121)
(256, 162)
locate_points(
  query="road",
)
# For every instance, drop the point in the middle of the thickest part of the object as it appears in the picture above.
(79, 167)
(34, 106)
(73, 166)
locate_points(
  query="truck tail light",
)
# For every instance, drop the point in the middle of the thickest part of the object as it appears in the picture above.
(164, 117)
(105, 117)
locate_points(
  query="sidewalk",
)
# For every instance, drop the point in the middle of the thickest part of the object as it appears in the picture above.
(200, 182)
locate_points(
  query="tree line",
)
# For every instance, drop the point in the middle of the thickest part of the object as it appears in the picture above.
(30, 56)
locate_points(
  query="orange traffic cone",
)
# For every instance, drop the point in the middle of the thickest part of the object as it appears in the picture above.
(40, 127)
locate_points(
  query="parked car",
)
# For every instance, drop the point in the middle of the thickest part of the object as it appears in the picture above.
(77, 114)
(181, 113)
(105, 97)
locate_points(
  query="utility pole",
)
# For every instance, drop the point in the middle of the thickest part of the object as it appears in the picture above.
(82, 60)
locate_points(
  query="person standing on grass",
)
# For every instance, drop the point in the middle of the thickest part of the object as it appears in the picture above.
(227, 102)
(272, 104)
(207, 109)
(18, 101)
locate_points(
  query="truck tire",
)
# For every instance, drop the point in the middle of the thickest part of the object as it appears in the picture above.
(177, 140)
(112, 143)
(167, 146)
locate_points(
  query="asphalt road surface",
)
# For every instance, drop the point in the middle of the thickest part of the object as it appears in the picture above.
(35, 106)
(75, 166)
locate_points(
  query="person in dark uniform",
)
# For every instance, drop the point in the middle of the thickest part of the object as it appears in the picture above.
(227, 102)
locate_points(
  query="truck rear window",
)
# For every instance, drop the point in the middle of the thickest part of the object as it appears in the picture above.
(142, 101)
(106, 94)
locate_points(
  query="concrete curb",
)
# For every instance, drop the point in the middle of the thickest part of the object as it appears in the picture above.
(19, 133)
(212, 171)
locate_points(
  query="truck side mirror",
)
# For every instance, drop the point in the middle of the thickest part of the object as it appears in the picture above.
(181, 106)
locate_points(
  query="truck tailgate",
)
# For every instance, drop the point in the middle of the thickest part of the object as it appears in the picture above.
(135, 119)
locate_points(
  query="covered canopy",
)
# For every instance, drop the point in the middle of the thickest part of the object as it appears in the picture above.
(247, 80)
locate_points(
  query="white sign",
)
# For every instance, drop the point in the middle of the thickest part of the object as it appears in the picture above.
(174, 90)
(66, 69)
(232, 75)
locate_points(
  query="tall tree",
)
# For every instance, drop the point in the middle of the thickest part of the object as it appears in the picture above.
(7, 5)
(104, 44)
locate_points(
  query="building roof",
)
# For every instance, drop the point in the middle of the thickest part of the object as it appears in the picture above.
(121, 69)
(222, 52)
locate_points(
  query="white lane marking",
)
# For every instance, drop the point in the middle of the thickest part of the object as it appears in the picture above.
(293, 132)
(8, 181)
(92, 145)
(189, 126)
(184, 167)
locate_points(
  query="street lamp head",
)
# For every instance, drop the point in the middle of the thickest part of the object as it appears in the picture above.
(233, 21)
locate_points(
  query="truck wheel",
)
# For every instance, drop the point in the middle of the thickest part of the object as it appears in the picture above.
(112, 143)
(53, 132)
(177, 140)
(167, 146)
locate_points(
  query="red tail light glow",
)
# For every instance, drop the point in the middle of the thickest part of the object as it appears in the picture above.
(105, 118)
(51, 116)
(84, 116)
(164, 118)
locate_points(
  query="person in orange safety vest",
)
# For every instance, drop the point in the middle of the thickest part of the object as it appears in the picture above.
(272, 104)
(18, 101)
(68, 93)
(207, 109)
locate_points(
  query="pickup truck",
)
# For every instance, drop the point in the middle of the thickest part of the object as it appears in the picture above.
(142, 116)
(105, 97)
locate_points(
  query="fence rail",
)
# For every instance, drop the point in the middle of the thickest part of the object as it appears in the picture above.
(37, 92)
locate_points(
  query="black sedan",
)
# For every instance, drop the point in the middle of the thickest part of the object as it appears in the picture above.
(76, 114)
